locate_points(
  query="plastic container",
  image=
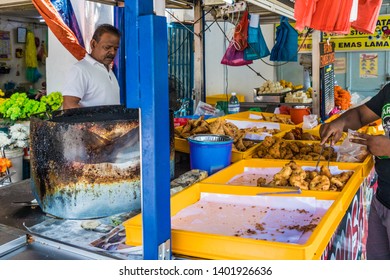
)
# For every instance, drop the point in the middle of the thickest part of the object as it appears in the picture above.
(234, 104)
(298, 113)
(16, 157)
(210, 152)
(216, 246)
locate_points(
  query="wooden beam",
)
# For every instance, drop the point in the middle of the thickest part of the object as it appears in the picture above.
(198, 54)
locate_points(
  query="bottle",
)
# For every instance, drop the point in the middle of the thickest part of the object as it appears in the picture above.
(234, 104)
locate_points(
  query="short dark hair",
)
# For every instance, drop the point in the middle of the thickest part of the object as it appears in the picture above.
(105, 28)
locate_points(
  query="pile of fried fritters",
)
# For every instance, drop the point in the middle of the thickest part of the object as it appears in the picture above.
(222, 127)
(320, 180)
(276, 148)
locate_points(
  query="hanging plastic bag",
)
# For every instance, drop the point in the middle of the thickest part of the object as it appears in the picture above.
(233, 57)
(286, 45)
(257, 48)
(32, 73)
(31, 50)
(351, 152)
(240, 36)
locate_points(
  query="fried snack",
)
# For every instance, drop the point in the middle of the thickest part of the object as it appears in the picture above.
(221, 127)
(261, 181)
(320, 183)
(275, 118)
(310, 175)
(289, 136)
(293, 175)
(309, 137)
(325, 171)
(298, 134)
(276, 148)
(215, 125)
(240, 145)
(228, 131)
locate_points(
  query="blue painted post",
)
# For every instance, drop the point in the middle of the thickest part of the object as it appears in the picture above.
(120, 62)
(147, 71)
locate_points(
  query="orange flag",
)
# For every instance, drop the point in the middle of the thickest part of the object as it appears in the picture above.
(63, 33)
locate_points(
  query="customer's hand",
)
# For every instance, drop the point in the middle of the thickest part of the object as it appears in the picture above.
(40, 93)
(331, 131)
(378, 145)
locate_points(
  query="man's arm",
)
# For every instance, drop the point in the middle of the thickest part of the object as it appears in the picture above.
(71, 102)
(352, 119)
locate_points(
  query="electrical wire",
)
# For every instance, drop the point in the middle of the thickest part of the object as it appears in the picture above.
(189, 30)
(178, 48)
(257, 73)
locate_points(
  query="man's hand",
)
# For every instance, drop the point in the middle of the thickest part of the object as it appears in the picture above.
(377, 145)
(70, 102)
(331, 131)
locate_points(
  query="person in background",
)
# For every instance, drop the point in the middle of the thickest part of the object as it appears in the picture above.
(378, 239)
(91, 81)
(41, 92)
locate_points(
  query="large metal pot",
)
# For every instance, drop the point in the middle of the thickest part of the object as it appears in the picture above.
(85, 163)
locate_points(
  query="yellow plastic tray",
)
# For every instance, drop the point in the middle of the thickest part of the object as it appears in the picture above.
(253, 116)
(367, 164)
(314, 131)
(182, 145)
(214, 246)
(226, 174)
(212, 99)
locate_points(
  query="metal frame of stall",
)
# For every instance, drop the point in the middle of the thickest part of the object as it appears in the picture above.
(147, 89)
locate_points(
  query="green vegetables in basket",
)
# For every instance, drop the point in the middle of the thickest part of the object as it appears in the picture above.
(20, 107)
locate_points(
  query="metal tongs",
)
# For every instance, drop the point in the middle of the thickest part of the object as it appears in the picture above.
(293, 189)
(8, 176)
(322, 151)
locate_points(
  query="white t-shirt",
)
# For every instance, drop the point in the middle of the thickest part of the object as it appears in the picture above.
(89, 80)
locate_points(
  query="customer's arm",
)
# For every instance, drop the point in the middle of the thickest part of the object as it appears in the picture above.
(352, 119)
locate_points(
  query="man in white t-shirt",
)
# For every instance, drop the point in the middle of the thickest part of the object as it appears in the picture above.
(91, 81)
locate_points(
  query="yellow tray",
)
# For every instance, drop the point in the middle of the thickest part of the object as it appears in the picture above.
(367, 164)
(212, 99)
(182, 145)
(314, 131)
(225, 175)
(215, 246)
(253, 116)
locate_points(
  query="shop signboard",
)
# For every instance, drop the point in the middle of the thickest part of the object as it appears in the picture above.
(355, 40)
(327, 58)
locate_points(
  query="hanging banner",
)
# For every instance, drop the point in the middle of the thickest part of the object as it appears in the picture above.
(355, 40)
(368, 64)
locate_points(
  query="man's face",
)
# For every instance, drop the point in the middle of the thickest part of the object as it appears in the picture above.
(105, 50)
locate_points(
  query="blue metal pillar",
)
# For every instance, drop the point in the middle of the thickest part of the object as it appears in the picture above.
(120, 62)
(147, 89)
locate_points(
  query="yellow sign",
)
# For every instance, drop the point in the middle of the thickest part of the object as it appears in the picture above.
(355, 40)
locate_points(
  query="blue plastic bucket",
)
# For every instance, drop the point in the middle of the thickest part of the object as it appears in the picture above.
(210, 152)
